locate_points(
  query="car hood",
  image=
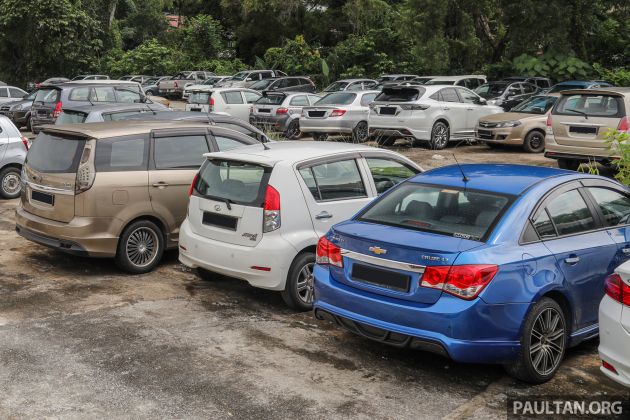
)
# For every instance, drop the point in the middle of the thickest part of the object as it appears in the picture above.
(18, 102)
(512, 116)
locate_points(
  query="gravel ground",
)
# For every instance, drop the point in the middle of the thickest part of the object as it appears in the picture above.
(81, 340)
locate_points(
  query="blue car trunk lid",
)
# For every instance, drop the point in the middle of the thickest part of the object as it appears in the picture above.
(390, 261)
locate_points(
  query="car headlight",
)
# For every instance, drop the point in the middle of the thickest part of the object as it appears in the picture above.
(17, 107)
(505, 124)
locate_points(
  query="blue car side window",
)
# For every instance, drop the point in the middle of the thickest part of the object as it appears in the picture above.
(614, 206)
(544, 227)
(570, 214)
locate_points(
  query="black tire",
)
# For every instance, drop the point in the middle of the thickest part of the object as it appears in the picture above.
(320, 136)
(10, 183)
(534, 142)
(440, 136)
(542, 345)
(360, 133)
(298, 292)
(149, 93)
(293, 130)
(29, 126)
(570, 164)
(140, 247)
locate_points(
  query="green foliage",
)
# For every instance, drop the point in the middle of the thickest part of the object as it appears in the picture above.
(554, 65)
(618, 77)
(294, 57)
(618, 143)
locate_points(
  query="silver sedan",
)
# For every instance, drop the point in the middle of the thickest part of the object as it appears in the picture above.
(344, 113)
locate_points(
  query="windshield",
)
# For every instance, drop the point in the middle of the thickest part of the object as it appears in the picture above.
(440, 82)
(467, 214)
(212, 81)
(240, 76)
(270, 100)
(400, 95)
(591, 105)
(46, 95)
(199, 98)
(240, 182)
(535, 105)
(52, 154)
(334, 87)
(71, 117)
(30, 96)
(338, 98)
(151, 81)
(260, 85)
(568, 86)
(491, 90)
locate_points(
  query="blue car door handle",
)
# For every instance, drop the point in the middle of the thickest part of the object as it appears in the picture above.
(572, 260)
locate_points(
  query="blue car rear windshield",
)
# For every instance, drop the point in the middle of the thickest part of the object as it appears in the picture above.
(467, 214)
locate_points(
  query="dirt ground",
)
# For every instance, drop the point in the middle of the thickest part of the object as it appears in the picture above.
(78, 339)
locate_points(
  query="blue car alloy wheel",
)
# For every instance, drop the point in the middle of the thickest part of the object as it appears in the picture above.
(501, 264)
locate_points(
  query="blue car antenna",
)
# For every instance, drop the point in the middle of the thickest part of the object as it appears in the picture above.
(464, 177)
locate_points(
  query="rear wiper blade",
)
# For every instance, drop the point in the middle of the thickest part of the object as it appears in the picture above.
(227, 202)
(578, 112)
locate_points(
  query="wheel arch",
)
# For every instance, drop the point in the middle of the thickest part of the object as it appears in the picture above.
(152, 218)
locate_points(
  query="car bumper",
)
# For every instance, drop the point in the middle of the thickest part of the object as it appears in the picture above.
(554, 150)
(326, 125)
(270, 122)
(508, 135)
(87, 236)
(392, 126)
(38, 122)
(196, 251)
(433, 328)
(614, 341)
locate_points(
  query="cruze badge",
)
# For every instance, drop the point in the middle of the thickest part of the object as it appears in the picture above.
(377, 250)
(433, 258)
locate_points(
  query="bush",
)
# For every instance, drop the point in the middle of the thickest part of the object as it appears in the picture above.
(618, 77)
(556, 66)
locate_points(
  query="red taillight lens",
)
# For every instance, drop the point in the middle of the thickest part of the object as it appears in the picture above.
(192, 185)
(463, 281)
(617, 289)
(211, 101)
(271, 213)
(549, 121)
(609, 367)
(337, 112)
(328, 253)
(282, 111)
(25, 142)
(57, 110)
(624, 125)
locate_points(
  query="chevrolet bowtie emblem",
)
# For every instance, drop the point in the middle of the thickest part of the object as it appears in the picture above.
(377, 250)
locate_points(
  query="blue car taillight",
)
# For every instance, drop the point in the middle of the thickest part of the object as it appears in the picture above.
(328, 253)
(462, 281)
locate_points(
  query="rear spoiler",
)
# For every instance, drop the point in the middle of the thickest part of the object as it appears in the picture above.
(602, 91)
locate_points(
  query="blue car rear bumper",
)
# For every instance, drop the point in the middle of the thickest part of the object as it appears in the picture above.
(465, 331)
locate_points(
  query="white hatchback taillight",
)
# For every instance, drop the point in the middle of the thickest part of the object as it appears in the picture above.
(271, 215)
(624, 125)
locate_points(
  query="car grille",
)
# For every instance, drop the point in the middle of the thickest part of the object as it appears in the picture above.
(4, 108)
(487, 124)
(485, 134)
(316, 114)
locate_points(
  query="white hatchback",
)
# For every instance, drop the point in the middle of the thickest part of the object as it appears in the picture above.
(614, 326)
(236, 102)
(256, 213)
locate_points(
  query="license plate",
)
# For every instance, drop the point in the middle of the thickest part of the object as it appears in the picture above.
(485, 133)
(219, 220)
(583, 130)
(379, 277)
(196, 109)
(264, 110)
(316, 114)
(387, 111)
(43, 197)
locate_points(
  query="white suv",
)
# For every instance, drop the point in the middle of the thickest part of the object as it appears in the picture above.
(256, 214)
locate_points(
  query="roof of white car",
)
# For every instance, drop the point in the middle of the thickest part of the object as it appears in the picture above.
(291, 151)
(456, 78)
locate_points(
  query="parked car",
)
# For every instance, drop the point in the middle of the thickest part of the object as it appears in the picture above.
(351, 85)
(578, 122)
(140, 78)
(281, 111)
(116, 189)
(540, 82)
(221, 120)
(174, 87)
(150, 86)
(19, 111)
(208, 83)
(525, 125)
(422, 79)
(428, 113)
(396, 77)
(342, 112)
(11, 93)
(506, 94)
(471, 81)
(480, 263)
(50, 99)
(614, 310)
(90, 77)
(233, 101)
(245, 79)
(578, 84)
(256, 214)
(106, 112)
(285, 84)
(13, 148)
(51, 81)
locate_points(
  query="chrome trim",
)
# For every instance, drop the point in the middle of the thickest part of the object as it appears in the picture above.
(48, 189)
(396, 265)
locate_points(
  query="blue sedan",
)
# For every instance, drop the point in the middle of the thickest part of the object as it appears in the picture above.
(480, 263)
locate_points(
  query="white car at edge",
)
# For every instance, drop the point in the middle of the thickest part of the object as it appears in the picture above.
(614, 326)
(256, 213)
